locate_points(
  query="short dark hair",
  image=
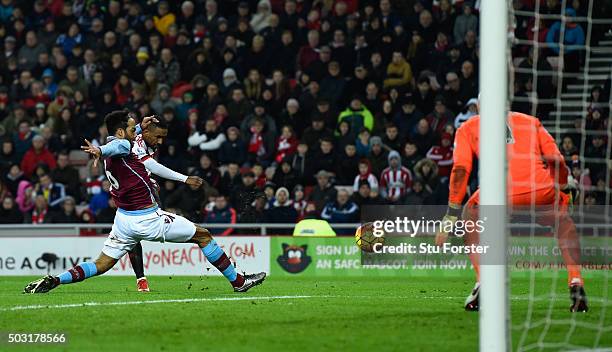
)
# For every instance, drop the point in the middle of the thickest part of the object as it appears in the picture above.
(116, 120)
(161, 123)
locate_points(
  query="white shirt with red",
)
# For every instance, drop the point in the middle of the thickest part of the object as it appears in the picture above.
(443, 156)
(395, 183)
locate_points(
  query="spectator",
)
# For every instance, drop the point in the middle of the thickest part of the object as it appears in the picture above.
(189, 199)
(286, 144)
(8, 156)
(54, 192)
(443, 155)
(324, 192)
(233, 149)
(221, 213)
(25, 196)
(365, 175)
(40, 211)
(282, 210)
(28, 54)
(284, 176)
(427, 171)
(10, 213)
(302, 207)
(342, 210)
(168, 70)
(67, 175)
(471, 109)
(466, 21)
(324, 157)
(439, 117)
(261, 19)
(164, 18)
(420, 195)
(74, 82)
(377, 155)
(302, 163)
(316, 132)
(208, 171)
(347, 165)
(395, 180)
(408, 116)
(399, 72)
(38, 154)
(66, 214)
(209, 141)
(410, 155)
(99, 200)
(358, 116)
(230, 179)
(573, 38)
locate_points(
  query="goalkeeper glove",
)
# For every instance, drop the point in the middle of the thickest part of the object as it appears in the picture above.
(571, 189)
(448, 222)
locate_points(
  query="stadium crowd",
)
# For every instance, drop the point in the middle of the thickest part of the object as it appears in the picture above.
(273, 103)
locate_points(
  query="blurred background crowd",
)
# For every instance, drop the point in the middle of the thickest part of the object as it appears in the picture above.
(287, 108)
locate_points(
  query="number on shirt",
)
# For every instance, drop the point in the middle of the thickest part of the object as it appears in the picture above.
(113, 181)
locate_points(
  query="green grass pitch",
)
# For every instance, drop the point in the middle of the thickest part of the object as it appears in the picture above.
(333, 314)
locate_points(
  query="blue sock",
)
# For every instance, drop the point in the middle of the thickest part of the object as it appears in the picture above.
(78, 273)
(219, 259)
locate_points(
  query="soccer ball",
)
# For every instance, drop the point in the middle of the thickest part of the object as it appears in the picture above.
(365, 239)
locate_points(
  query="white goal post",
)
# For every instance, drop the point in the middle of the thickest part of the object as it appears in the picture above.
(494, 332)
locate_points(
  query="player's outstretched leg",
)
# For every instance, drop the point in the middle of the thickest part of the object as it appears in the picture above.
(220, 260)
(76, 274)
(136, 260)
(569, 243)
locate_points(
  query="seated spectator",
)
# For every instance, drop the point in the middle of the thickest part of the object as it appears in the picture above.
(40, 211)
(358, 116)
(299, 202)
(38, 154)
(208, 171)
(439, 117)
(342, 210)
(399, 72)
(9, 212)
(67, 175)
(107, 214)
(377, 156)
(221, 213)
(162, 99)
(282, 210)
(244, 193)
(286, 144)
(410, 155)
(230, 179)
(427, 171)
(316, 132)
(210, 140)
(233, 148)
(471, 109)
(392, 140)
(324, 192)
(365, 175)
(99, 200)
(443, 155)
(422, 137)
(347, 165)
(395, 180)
(420, 194)
(284, 176)
(53, 192)
(66, 214)
(302, 163)
(362, 144)
(260, 143)
(324, 157)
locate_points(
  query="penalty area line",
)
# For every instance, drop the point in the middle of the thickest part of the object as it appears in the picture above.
(156, 301)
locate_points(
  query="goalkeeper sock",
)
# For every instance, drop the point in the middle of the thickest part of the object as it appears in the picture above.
(137, 261)
(78, 273)
(219, 259)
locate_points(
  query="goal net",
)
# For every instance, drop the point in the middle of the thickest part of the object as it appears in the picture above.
(561, 69)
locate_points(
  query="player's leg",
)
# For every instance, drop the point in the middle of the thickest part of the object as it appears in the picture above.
(77, 273)
(136, 259)
(554, 212)
(179, 229)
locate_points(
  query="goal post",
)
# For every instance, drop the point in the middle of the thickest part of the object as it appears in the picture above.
(494, 331)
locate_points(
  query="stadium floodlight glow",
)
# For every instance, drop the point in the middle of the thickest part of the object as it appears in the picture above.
(493, 110)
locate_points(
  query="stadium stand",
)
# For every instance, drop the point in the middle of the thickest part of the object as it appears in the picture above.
(260, 96)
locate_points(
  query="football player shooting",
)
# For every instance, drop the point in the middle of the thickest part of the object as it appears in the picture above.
(538, 177)
(150, 136)
(138, 215)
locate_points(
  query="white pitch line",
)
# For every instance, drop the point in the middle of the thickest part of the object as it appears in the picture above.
(155, 301)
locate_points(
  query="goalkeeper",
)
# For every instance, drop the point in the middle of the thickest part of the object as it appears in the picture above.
(537, 176)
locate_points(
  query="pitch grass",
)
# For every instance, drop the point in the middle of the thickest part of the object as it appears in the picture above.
(348, 314)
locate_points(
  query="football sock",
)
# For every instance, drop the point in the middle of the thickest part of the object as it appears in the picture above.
(570, 249)
(219, 259)
(136, 260)
(78, 273)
